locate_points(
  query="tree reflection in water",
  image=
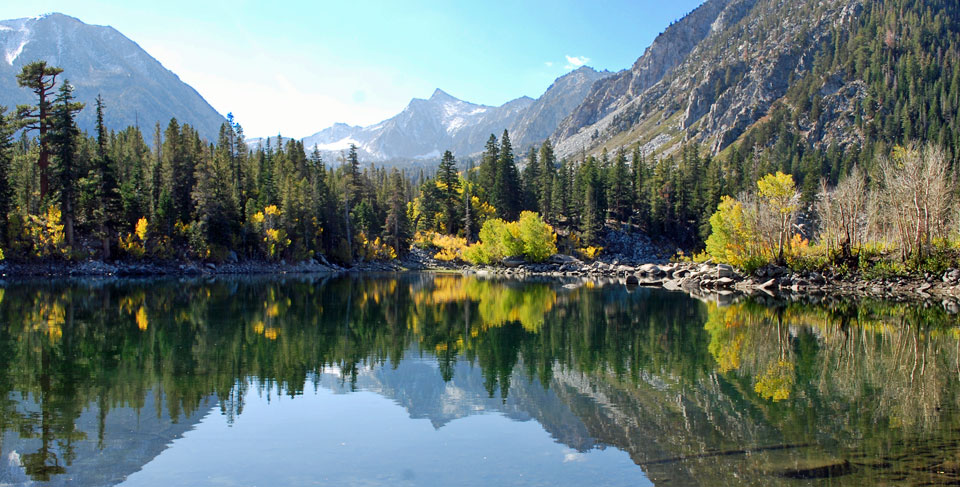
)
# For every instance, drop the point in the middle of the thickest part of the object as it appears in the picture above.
(694, 392)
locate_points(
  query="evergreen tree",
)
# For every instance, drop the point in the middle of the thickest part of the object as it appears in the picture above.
(547, 175)
(41, 79)
(507, 196)
(397, 225)
(487, 173)
(6, 157)
(619, 188)
(107, 198)
(531, 181)
(63, 140)
(450, 182)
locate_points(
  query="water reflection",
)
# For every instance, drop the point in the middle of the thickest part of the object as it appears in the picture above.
(755, 393)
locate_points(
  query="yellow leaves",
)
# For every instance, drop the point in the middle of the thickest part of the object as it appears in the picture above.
(780, 191)
(731, 233)
(259, 327)
(141, 317)
(450, 247)
(136, 248)
(375, 250)
(46, 233)
(272, 210)
(590, 252)
(272, 235)
(141, 229)
(271, 333)
(49, 318)
(777, 381)
(483, 210)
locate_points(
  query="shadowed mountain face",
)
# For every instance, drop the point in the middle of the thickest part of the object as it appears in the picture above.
(136, 88)
(753, 393)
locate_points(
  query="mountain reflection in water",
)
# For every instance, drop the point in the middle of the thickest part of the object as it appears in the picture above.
(101, 379)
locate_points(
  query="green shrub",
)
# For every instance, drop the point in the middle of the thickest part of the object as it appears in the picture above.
(538, 238)
(530, 237)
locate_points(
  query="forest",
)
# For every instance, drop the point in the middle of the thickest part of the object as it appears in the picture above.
(778, 194)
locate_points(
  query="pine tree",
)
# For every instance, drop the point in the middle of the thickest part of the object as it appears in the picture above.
(619, 188)
(531, 181)
(506, 189)
(6, 157)
(63, 139)
(450, 182)
(109, 207)
(397, 225)
(487, 173)
(547, 175)
(41, 79)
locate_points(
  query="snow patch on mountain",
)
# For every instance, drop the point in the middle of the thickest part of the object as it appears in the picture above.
(13, 54)
(338, 145)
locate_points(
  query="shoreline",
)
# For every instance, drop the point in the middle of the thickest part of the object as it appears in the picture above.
(697, 279)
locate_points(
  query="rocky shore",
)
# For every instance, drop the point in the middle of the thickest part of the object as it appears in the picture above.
(721, 280)
(704, 280)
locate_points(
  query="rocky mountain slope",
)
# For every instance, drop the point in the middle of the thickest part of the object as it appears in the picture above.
(711, 76)
(136, 88)
(426, 128)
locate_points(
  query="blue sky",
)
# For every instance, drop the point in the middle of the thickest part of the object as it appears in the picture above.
(297, 67)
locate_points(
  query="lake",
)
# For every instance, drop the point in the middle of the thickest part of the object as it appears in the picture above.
(437, 379)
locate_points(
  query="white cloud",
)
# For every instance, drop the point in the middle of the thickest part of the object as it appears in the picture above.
(573, 456)
(574, 62)
(549, 64)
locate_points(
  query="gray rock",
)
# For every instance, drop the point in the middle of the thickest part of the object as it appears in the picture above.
(724, 271)
(724, 282)
(563, 259)
(513, 262)
(650, 270)
(768, 284)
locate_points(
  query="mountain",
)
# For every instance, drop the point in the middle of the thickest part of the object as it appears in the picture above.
(803, 73)
(136, 88)
(426, 128)
(542, 118)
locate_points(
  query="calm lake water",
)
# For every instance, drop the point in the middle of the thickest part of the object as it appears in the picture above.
(427, 379)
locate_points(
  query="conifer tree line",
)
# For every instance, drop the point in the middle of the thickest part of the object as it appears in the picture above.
(68, 194)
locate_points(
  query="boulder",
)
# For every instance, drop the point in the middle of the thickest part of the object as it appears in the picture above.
(514, 261)
(724, 282)
(632, 281)
(672, 285)
(563, 259)
(724, 271)
(650, 270)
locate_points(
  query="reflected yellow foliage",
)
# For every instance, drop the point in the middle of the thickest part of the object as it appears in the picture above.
(777, 381)
(141, 317)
